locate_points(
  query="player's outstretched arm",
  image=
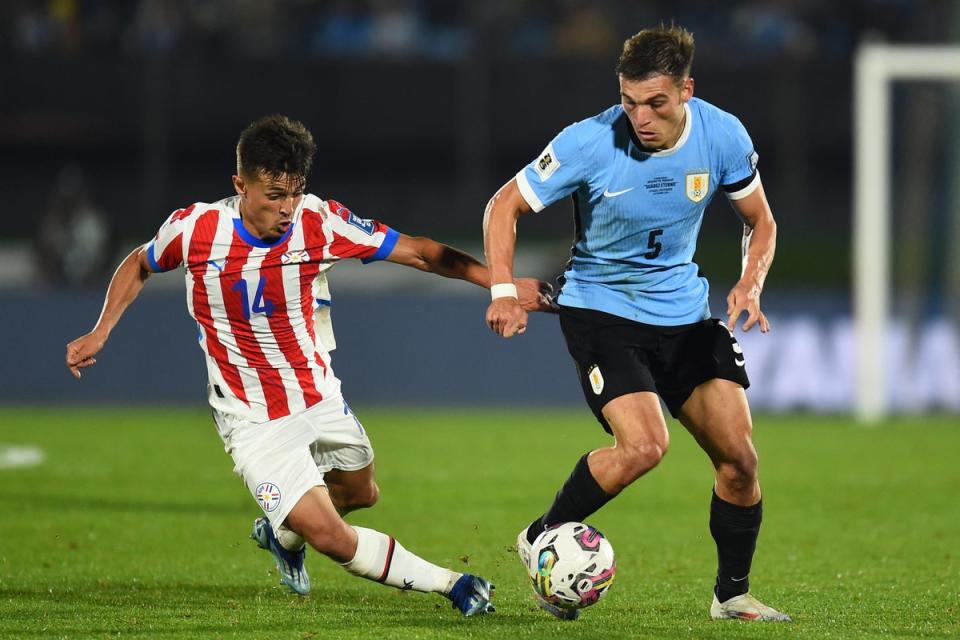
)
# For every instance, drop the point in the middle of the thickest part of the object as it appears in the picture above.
(505, 315)
(759, 245)
(124, 287)
(435, 257)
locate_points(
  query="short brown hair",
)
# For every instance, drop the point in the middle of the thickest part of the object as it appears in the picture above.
(275, 145)
(660, 50)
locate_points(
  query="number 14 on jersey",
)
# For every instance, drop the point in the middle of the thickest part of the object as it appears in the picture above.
(260, 305)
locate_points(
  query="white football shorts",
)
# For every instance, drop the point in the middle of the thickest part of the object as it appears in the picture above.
(282, 459)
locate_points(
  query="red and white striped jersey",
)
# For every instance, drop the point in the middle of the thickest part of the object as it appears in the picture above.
(261, 306)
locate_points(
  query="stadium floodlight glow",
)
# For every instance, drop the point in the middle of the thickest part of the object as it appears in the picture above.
(876, 67)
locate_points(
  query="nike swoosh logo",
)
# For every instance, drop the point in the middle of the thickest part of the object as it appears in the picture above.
(732, 579)
(614, 194)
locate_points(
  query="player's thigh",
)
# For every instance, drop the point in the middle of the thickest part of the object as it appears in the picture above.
(717, 415)
(611, 357)
(637, 422)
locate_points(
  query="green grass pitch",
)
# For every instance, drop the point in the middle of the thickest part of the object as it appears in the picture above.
(135, 526)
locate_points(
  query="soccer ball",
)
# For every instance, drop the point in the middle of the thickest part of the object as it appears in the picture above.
(571, 565)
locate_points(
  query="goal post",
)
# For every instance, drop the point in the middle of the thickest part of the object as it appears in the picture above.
(877, 66)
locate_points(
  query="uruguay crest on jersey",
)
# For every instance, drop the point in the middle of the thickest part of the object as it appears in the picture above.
(698, 185)
(638, 211)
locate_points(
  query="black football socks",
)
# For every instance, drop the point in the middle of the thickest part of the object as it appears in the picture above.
(579, 498)
(735, 531)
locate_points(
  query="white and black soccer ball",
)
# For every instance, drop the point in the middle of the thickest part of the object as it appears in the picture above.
(571, 565)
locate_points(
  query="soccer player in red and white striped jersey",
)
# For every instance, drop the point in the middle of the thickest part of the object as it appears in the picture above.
(254, 300)
(255, 268)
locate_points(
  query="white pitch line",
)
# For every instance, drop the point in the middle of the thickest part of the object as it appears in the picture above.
(12, 457)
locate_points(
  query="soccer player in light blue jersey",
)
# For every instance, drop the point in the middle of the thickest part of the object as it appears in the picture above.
(633, 307)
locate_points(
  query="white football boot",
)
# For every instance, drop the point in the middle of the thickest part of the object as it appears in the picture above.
(745, 607)
(525, 550)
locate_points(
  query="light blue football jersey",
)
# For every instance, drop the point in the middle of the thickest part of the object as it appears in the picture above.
(637, 213)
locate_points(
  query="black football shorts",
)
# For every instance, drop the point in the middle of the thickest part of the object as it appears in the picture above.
(616, 356)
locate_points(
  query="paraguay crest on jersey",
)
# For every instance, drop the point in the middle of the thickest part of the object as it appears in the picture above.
(698, 184)
(268, 495)
(298, 256)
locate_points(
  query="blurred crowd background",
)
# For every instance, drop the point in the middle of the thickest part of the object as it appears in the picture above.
(452, 29)
(115, 112)
(125, 110)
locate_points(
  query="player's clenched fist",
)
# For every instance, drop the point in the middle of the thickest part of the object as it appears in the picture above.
(506, 317)
(80, 353)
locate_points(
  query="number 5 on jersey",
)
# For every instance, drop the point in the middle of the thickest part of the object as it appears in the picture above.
(259, 304)
(653, 244)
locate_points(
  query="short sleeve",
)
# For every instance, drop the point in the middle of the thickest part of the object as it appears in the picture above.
(165, 251)
(556, 173)
(738, 177)
(355, 237)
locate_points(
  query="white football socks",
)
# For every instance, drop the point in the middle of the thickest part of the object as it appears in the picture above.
(382, 559)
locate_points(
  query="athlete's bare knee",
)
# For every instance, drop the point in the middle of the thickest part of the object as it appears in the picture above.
(647, 455)
(365, 497)
(637, 459)
(356, 497)
(739, 474)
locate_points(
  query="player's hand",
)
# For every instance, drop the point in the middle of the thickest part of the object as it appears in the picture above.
(506, 317)
(535, 295)
(745, 297)
(80, 352)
